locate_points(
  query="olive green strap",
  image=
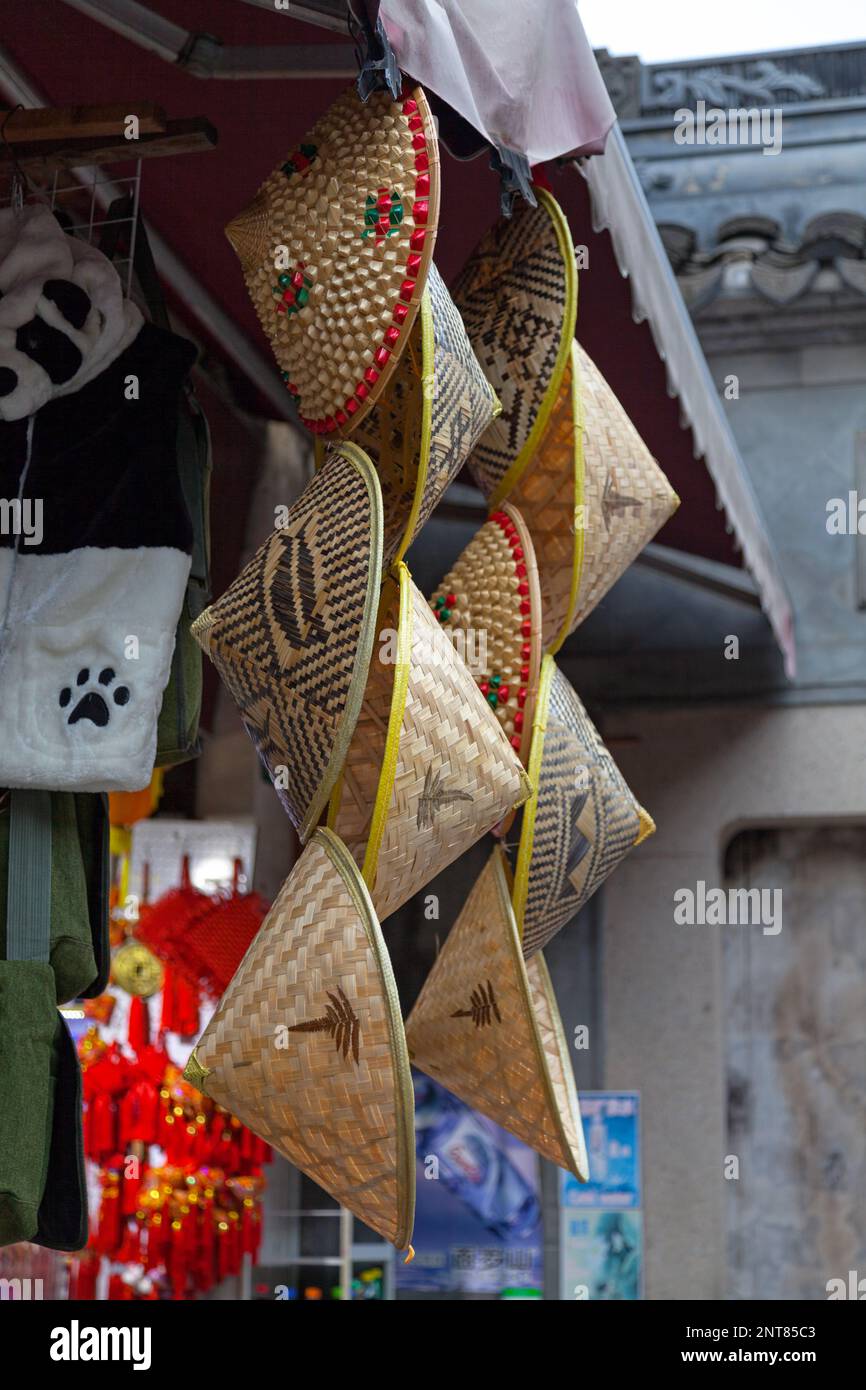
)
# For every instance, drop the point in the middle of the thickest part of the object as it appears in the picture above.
(28, 892)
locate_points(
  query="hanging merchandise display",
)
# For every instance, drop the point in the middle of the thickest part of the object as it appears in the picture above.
(491, 596)
(563, 450)
(293, 634)
(179, 1179)
(335, 249)
(314, 588)
(307, 1044)
(162, 923)
(580, 822)
(94, 581)
(486, 1026)
(126, 808)
(42, 1191)
(63, 316)
(429, 769)
(177, 733)
(396, 731)
(201, 937)
(77, 898)
(428, 418)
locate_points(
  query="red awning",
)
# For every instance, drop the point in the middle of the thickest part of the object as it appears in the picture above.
(655, 364)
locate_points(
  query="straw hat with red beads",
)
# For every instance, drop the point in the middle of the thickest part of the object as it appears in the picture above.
(490, 603)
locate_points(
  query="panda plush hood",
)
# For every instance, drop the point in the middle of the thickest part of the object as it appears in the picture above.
(95, 537)
(63, 316)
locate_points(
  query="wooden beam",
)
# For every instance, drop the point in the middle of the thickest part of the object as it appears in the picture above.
(61, 123)
(188, 135)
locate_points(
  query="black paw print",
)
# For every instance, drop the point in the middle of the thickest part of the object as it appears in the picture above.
(93, 703)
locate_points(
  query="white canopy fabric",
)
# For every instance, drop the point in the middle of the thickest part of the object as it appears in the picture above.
(619, 206)
(520, 71)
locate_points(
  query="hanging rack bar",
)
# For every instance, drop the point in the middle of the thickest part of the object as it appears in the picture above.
(49, 124)
(17, 87)
(188, 135)
(204, 55)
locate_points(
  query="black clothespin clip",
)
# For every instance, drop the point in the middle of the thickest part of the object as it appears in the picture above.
(379, 69)
(514, 177)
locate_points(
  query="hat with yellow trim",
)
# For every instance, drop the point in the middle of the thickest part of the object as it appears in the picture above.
(486, 1025)
(307, 1045)
(429, 769)
(563, 450)
(581, 820)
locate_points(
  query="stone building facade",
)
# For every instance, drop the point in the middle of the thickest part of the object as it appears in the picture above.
(744, 1044)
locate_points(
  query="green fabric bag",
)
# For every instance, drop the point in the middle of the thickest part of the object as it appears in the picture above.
(79, 858)
(177, 737)
(28, 1026)
(63, 1209)
(42, 1181)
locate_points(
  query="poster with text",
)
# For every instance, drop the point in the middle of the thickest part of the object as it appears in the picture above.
(601, 1254)
(478, 1207)
(601, 1224)
(611, 1126)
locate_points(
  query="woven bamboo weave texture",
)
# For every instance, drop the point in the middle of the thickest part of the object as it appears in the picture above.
(586, 819)
(355, 210)
(462, 404)
(626, 496)
(474, 1027)
(546, 495)
(497, 613)
(456, 773)
(286, 635)
(512, 294)
(307, 1047)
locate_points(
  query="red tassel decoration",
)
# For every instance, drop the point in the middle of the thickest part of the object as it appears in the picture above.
(140, 1113)
(138, 1027)
(166, 1021)
(130, 1246)
(186, 1020)
(158, 1236)
(207, 1242)
(102, 1130)
(84, 1276)
(109, 1231)
(130, 1185)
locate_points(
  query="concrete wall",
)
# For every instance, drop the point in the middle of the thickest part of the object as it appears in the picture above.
(795, 422)
(703, 774)
(796, 1066)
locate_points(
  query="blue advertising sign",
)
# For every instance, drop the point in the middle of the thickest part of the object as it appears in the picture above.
(478, 1208)
(601, 1224)
(601, 1254)
(611, 1125)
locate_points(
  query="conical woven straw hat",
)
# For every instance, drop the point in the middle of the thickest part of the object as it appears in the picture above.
(426, 422)
(593, 497)
(429, 769)
(293, 635)
(486, 1026)
(335, 249)
(491, 598)
(518, 297)
(625, 497)
(563, 451)
(307, 1046)
(580, 822)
